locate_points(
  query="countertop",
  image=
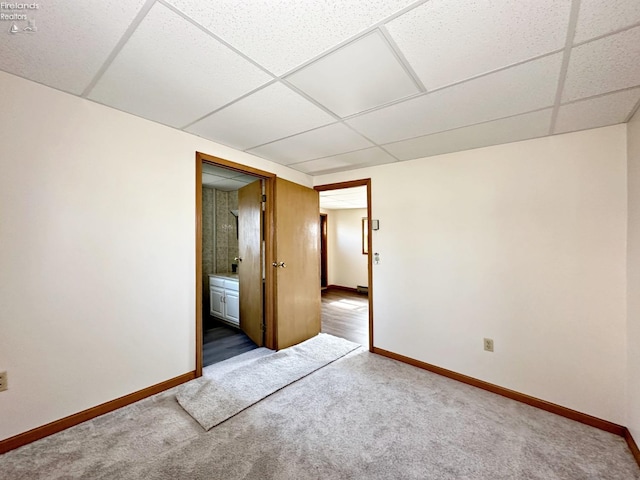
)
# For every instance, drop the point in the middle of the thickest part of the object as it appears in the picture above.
(232, 276)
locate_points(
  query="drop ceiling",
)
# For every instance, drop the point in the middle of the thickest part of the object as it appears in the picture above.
(344, 198)
(332, 85)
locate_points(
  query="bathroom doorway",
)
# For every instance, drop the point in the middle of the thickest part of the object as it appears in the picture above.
(225, 233)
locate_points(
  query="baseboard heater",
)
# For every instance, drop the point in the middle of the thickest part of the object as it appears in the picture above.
(362, 289)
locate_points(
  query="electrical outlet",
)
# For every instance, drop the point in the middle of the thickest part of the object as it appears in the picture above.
(3, 382)
(488, 344)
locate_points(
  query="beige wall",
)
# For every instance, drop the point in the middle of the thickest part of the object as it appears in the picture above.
(524, 243)
(346, 265)
(97, 252)
(633, 278)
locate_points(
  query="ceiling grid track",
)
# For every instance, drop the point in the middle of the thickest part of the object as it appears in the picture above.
(571, 32)
(599, 95)
(119, 46)
(608, 34)
(327, 86)
(370, 140)
(355, 37)
(467, 126)
(401, 58)
(309, 98)
(216, 37)
(633, 111)
(228, 104)
(326, 156)
(291, 136)
(454, 84)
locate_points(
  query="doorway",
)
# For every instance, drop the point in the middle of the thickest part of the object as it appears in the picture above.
(347, 300)
(232, 222)
(289, 284)
(226, 323)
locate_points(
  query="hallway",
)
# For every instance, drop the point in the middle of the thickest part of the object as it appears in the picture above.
(346, 314)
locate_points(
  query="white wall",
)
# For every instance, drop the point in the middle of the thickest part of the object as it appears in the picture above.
(633, 278)
(346, 265)
(97, 262)
(523, 243)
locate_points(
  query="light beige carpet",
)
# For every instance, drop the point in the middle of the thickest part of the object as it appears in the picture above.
(361, 417)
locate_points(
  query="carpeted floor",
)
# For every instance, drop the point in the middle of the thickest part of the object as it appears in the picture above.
(361, 417)
(211, 401)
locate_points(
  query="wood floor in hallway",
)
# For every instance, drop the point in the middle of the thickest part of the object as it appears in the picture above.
(346, 314)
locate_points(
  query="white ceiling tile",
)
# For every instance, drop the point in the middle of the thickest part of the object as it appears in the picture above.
(329, 202)
(72, 41)
(169, 71)
(345, 192)
(246, 178)
(282, 34)
(322, 142)
(507, 130)
(353, 197)
(596, 112)
(349, 197)
(271, 113)
(611, 63)
(359, 76)
(520, 89)
(599, 17)
(225, 184)
(346, 161)
(320, 165)
(218, 171)
(446, 42)
(208, 179)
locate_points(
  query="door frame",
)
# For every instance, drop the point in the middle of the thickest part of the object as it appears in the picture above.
(359, 183)
(269, 227)
(323, 251)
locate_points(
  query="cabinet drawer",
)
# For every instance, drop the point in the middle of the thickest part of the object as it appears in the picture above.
(216, 281)
(231, 285)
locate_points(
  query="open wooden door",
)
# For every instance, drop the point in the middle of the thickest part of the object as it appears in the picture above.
(250, 261)
(297, 249)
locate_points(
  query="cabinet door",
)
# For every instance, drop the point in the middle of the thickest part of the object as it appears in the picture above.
(232, 307)
(216, 299)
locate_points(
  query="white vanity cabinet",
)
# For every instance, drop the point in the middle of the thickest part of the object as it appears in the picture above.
(224, 298)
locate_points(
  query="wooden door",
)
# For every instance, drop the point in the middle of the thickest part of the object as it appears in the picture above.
(250, 266)
(297, 249)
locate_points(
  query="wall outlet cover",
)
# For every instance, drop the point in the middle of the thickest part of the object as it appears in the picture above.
(488, 344)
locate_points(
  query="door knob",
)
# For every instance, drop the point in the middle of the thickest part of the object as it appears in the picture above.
(280, 264)
(237, 259)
